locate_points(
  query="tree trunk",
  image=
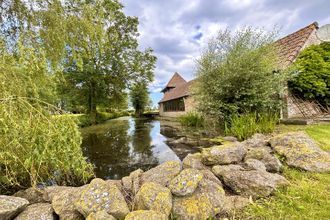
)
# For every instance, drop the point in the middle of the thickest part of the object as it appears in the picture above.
(92, 104)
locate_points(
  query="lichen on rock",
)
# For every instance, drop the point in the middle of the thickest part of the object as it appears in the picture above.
(100, 195)
(153, 196)
(146, 215)
(36, 211)
(223, 154)
(193, 161)
(11, 206)
(100, 215)
(301, 152)
(186, 182)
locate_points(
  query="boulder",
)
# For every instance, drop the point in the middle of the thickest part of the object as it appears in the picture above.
(146, 215)
(256, 141)
(208, 175)
(301, 152)
(131, 183)
(36, 211)
(64, 203)
(223, 154)
(100, 215)
(10, 206)
(51, 191)
(255, 183)
(230, 138)
(271, 162)
(233, 204)
(32, 194)
(255, 164)
(207, 201)
(100, 195)
(186, 182)
(193, 161)
(162, 174)
(153, 196)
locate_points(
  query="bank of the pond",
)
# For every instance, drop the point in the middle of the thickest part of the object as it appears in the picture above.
(216, 183)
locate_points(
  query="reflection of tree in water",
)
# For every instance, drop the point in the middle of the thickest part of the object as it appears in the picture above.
(119, 147)
(108, 150)
(142, 144)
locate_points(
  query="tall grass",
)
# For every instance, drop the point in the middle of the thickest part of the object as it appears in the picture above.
(192, 119)
(244, 126)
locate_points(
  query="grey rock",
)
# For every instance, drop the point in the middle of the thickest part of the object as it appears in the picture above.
(256, 141)
(153, 196)
(100, 195)
(230, 138)
(193, 161)
(33, 195)
(146, 215)
(162, 174)
(100, 215)
(255, 164)
(233, 204)
(186, 182)
(223, 154)
(10, 206)
(43, 211)
(301, 152)
(255, 183)
(271, 162)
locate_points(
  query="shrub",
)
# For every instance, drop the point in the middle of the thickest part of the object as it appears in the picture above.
(244, 126)
(312, 78)
(38, 148)
(236, 74)
(192, 119)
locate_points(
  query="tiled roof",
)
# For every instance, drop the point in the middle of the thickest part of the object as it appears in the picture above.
(176, 80)
(181, 90)
(290, 46)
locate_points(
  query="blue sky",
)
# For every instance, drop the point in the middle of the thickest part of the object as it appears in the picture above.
(178, 30)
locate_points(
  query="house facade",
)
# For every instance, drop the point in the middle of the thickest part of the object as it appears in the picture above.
(178, 98)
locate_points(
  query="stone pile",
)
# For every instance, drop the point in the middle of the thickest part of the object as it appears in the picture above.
(214, 183)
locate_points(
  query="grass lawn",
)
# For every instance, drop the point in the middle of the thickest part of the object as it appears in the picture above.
(307, 197)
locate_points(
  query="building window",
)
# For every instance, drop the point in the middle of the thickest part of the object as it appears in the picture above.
(175, 105)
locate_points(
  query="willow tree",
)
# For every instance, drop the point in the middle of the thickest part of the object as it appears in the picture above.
(91, 46)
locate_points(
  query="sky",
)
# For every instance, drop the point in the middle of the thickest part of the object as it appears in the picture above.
(178, 30)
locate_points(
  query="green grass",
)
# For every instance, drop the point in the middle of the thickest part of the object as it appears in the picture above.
(192, 119)
(307, 196)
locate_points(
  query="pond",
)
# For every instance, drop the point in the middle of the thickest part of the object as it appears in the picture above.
(123, 145)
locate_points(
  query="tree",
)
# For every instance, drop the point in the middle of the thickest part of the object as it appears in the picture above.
(91, 46)
(311, 73)
(236, 74)
(139, 97)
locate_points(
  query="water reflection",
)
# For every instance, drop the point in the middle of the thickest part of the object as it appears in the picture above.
(120, 146)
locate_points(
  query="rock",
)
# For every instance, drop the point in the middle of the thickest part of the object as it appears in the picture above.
(230, 138)
(146, 215)
(271, 162)
(100, 195)
(153, 196)
(118, 183)
(208, 175)
(100, 215)
(255, 183)
(223, 154)
(10, 206)
(36, 211)
(186, 182)
(205, 202)
(193, 161)
(255, 164)
(162, 174)
(131, 183)
(301, 152)
(64, 203)
(233, 204)
(32, 194)
(256, 141)
(51, 191)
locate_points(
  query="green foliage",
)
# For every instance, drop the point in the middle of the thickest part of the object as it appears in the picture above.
(236, 74)
(192, 119)
(307, 197)
(139, 97)
(311, 72)
(245, 125)
(38, 148)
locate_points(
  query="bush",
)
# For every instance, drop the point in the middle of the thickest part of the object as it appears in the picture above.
(236, 74)
(192, 119)
(246, 125)
(36, 148)
(312, 80)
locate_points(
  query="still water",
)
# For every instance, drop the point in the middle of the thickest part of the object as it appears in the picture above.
(122, 145)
